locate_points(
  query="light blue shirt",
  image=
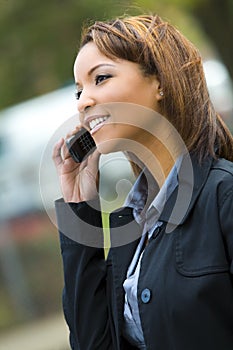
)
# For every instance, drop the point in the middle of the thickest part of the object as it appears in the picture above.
(147, 202)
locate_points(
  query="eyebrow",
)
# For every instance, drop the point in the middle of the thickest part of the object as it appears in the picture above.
(96, 67)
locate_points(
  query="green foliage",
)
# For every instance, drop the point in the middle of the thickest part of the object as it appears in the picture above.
(39, 40)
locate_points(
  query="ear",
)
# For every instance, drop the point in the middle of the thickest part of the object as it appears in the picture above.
(158, 89)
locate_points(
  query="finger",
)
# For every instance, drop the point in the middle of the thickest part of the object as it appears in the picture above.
(73, 132)
(65, 150)
(56, 155)
(95, 156)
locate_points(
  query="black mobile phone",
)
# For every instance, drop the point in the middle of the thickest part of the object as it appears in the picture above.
(80, 145)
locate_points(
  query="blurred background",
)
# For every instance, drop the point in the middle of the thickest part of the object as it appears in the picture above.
(38, 44)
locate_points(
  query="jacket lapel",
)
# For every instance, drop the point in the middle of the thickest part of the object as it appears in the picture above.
(125, 236)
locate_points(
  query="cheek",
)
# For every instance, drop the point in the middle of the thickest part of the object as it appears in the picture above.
(125, 91)
(139, 94)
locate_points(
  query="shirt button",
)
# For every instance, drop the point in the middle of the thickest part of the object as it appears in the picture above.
(146, 295)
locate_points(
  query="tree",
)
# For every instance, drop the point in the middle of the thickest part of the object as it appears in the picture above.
(213, 17)
(216, 18)
(39, 41)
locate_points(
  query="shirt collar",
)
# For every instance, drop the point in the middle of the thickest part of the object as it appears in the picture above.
(145, 197)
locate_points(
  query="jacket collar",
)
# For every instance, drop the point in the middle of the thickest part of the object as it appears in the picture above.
(192, 177)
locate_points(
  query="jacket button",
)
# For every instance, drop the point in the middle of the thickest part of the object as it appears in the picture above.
(146, 295)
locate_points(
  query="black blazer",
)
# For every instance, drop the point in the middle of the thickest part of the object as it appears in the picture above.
(185, 288)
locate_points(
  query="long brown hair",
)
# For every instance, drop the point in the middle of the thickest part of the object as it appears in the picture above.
(161, 50)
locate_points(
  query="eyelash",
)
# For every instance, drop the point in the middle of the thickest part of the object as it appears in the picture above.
(102, 77)
(78, 94)
(98, 80)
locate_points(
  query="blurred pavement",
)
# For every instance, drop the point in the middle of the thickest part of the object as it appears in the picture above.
(48, 334)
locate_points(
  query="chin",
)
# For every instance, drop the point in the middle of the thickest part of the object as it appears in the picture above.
(110, 146)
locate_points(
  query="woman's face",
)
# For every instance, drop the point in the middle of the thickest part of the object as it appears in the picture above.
(102, 80)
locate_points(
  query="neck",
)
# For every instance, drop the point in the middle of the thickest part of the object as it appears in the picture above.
(156, 157)
(159, 164)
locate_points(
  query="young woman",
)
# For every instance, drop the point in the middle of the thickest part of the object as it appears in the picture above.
(167, 281)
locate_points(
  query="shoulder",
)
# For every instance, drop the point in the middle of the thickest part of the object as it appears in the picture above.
(223, 166)
(223, 169)
(221, 172)
(221, 177)
(217, 186)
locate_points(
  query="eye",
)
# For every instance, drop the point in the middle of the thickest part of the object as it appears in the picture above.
(102, 77)
(78, 94)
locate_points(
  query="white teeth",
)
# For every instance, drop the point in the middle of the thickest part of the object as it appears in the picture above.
(96, 121)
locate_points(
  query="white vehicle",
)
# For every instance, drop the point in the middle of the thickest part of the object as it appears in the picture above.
(25, 129)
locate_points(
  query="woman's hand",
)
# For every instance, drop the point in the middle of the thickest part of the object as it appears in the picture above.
(78, 181)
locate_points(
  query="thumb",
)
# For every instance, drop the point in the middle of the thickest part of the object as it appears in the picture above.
(93, 161)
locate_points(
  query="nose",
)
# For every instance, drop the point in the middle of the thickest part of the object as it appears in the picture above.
(85, 101)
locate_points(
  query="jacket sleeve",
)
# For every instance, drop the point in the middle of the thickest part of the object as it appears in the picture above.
(226, 216)
(84, 295)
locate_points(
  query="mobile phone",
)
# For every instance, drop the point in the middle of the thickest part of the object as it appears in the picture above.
(80, 145)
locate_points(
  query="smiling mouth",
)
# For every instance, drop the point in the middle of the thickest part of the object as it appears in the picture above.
(97, 122)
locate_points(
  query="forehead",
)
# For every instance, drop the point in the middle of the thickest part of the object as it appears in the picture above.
(89, 56)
